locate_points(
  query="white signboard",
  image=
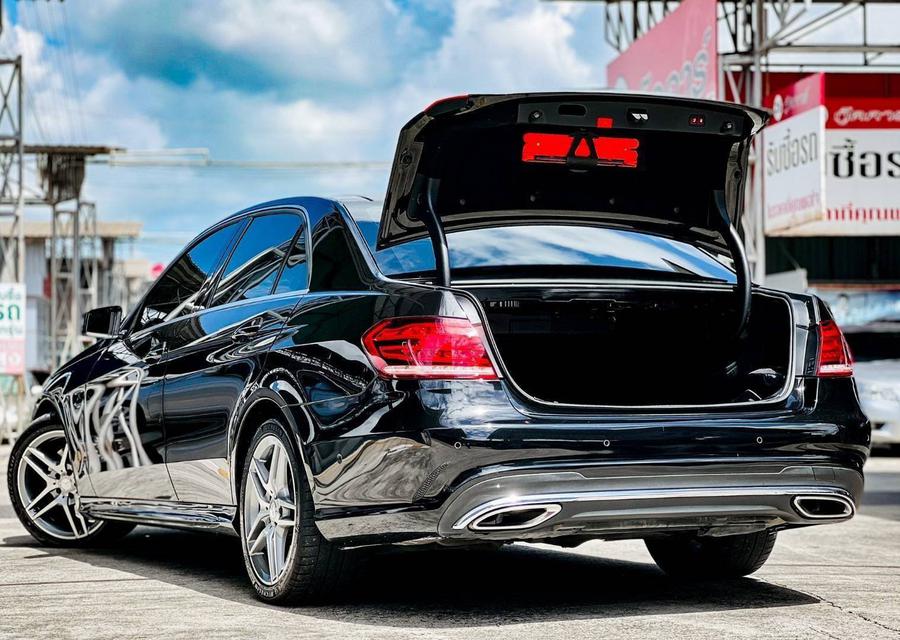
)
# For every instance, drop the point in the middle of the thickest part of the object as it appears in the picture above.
(863, 181)
(12, 328)
(793, 154)
(794, 183)
(831, 165)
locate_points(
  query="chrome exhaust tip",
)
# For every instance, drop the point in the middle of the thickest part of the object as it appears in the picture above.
(823, 507)
(514, 517)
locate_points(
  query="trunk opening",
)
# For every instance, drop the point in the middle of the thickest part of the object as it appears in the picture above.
(638, 346)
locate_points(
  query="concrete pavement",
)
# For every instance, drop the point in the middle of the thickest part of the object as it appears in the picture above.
(837, 581)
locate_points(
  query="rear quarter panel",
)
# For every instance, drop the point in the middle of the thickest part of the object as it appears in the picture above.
(363, 438)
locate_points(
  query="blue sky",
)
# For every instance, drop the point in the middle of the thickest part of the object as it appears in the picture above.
(307, 80)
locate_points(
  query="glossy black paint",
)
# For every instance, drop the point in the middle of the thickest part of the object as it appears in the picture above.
(126, 387)
(383, 458)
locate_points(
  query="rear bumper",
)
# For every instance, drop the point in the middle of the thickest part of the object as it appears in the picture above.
(618, 501)
(713, 500)
(612, 476)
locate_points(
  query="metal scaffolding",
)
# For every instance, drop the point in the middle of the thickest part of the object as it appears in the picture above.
(75, 250)
(12, 162)
(13, 388)
(759, 36)
(82, 271)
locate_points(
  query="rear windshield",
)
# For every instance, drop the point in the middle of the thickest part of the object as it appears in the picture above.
(610, 250)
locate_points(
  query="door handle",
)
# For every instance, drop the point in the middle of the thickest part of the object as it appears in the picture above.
(248, 329)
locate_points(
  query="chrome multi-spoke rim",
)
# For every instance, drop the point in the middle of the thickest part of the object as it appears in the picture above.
(46, 484)
(270, 510)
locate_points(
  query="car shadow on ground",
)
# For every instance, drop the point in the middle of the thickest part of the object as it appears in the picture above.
(425, 587)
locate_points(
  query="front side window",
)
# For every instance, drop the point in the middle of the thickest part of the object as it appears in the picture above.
(256, 260)
(181, 288)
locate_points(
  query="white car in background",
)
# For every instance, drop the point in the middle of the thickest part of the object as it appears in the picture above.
(876, 352)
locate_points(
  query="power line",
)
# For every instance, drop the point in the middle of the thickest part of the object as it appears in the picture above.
(36, 22)
(74, 73)
(65, 69)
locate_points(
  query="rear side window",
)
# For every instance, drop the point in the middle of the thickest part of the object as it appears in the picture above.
(256, 260)
(295, 275)
(181, 288)
(335, 263)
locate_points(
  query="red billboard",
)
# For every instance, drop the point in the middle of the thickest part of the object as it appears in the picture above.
(676, 56)
(831, 162)
(863, 113)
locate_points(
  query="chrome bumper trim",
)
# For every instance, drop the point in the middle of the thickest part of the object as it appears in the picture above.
(639, 495)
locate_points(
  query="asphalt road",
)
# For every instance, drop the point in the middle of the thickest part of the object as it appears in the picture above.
(837, 581)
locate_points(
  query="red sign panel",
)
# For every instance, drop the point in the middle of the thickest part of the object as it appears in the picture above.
(805, 94)
(676, 56)
(863, 113)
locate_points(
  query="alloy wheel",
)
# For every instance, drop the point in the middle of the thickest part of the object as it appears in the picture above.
(46, 483)
(269, 510)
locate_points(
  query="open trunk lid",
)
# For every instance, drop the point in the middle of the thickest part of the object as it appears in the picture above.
(640, 162)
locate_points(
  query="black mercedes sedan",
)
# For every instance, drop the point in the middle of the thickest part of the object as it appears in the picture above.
(547, 333)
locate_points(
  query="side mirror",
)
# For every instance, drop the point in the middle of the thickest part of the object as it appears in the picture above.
(102, 322)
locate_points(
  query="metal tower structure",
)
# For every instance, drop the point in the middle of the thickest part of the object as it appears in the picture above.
(75, 250)
(761, 36)
(13, 388)
(12, 161)
(78, 261)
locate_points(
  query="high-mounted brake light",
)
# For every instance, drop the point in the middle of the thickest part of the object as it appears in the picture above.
(429, 348)
(557, 148)
(834, 353)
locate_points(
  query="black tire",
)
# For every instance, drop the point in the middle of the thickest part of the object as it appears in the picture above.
(101, 532)
(314, 567)
(707, 557)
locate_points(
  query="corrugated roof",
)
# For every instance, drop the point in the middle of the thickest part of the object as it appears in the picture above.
(71, 149)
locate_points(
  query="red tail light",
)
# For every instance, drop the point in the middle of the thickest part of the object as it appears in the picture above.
(834, 354)
(429, 348)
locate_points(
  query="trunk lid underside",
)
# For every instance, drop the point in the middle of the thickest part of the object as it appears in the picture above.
(637, 162)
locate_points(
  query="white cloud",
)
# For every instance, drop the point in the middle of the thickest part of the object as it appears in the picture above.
(113, 115)
(495, 46)
(109, 111)
(330, 41)
(344, 77)
(318, 40)
(491, 46)
(304, 129)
